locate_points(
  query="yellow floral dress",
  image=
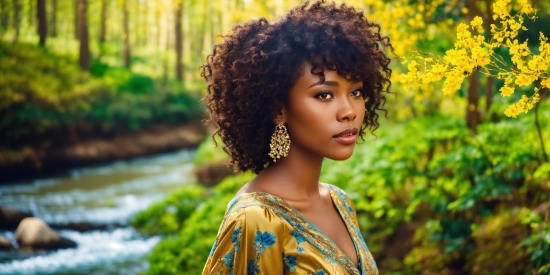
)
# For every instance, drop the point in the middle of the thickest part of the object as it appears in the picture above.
(263, 234)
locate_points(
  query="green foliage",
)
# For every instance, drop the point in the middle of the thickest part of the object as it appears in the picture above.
(431, 171)
(186, 253)
(210, 151)
(167, 216)
(42, 95)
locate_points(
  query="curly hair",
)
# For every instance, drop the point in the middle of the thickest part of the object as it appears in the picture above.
(250, 73)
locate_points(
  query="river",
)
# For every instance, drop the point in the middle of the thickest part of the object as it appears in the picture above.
(108, 194)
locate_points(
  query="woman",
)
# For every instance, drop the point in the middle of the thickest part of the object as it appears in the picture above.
(285, 95)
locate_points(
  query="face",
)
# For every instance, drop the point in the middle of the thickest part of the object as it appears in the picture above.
(324, 117)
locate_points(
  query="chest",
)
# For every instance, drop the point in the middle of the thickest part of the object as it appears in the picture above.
(329, 221)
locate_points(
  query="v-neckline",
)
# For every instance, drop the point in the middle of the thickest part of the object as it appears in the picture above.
(347, 224)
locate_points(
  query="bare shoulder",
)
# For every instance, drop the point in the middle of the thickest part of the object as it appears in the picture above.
(259, 184)
(250, 187)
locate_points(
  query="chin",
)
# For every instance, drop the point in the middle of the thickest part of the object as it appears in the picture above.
(340, 155)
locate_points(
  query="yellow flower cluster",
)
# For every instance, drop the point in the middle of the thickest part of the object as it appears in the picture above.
(472, 53)
(468, 55)
(403, 22)
(397, 17)
(522, 106)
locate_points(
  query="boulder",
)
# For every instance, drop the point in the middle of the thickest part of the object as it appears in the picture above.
(10, 218)
(211, 174)
(35, 234)
(5, 244)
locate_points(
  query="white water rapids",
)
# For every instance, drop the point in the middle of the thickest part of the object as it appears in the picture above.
(108, 194)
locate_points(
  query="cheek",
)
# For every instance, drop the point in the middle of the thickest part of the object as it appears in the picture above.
(309, 112)
(360, 110)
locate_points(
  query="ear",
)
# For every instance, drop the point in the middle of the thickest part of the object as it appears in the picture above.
(280, 116)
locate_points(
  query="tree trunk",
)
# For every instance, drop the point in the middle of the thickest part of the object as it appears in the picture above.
(126, 26)
(16, 19)
(53, 29)
(168, 46)
(4, 16)
(84, 57)
(158, 29)
(179, 40)
(42, 22)
(31, 16)
(76, 20)
(473, 117)
(103, 22)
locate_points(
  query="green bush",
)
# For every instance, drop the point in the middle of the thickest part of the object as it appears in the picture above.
(186, 253)
(434, 173)
(44, 96)
(167, 216)
(210, 152)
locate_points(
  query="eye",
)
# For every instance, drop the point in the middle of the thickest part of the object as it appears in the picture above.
(357, 92)
(324, 96)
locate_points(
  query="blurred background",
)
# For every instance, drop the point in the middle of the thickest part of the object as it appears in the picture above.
(107, 167)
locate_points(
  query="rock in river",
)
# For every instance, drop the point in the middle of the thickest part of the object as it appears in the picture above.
(35, 234)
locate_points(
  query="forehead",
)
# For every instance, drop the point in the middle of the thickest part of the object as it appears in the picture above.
(307, 74)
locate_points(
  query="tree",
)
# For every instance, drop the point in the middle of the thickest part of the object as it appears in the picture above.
(126, 38)
(179, 39)
(53, 22)
(82, 26)
(103, 22)
(4, 16)
(16, 20)
(42, 21)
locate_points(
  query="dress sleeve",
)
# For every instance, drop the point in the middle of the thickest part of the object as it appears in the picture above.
(250, 241)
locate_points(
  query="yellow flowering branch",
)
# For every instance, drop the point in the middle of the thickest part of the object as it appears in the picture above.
(471, 53)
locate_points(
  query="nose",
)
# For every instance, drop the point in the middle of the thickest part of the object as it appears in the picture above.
(346, 110)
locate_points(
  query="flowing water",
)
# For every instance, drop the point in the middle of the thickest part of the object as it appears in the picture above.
(107, 195)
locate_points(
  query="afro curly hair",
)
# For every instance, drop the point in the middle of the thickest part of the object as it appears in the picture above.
(250, 73)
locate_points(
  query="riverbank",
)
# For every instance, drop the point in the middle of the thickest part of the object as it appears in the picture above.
(33, 161)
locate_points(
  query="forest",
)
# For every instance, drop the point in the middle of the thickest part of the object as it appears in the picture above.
(455, 181)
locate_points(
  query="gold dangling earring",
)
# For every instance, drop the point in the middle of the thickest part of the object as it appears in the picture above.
(280, 142)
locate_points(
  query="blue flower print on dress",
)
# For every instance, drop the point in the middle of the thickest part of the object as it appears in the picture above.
(319, 272)
(299, 238)
(252, 268)
(228, 260)
(290, 262)
(263, 240)
(235, 238)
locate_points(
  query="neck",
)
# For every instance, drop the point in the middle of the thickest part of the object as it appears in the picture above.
(295, 177)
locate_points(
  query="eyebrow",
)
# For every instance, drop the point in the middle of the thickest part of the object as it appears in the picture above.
(328, 83)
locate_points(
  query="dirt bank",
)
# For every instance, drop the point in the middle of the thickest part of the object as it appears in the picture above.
(29, 162)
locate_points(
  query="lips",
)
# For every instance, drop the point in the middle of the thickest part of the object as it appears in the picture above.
(347, 136)
(347, 132)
